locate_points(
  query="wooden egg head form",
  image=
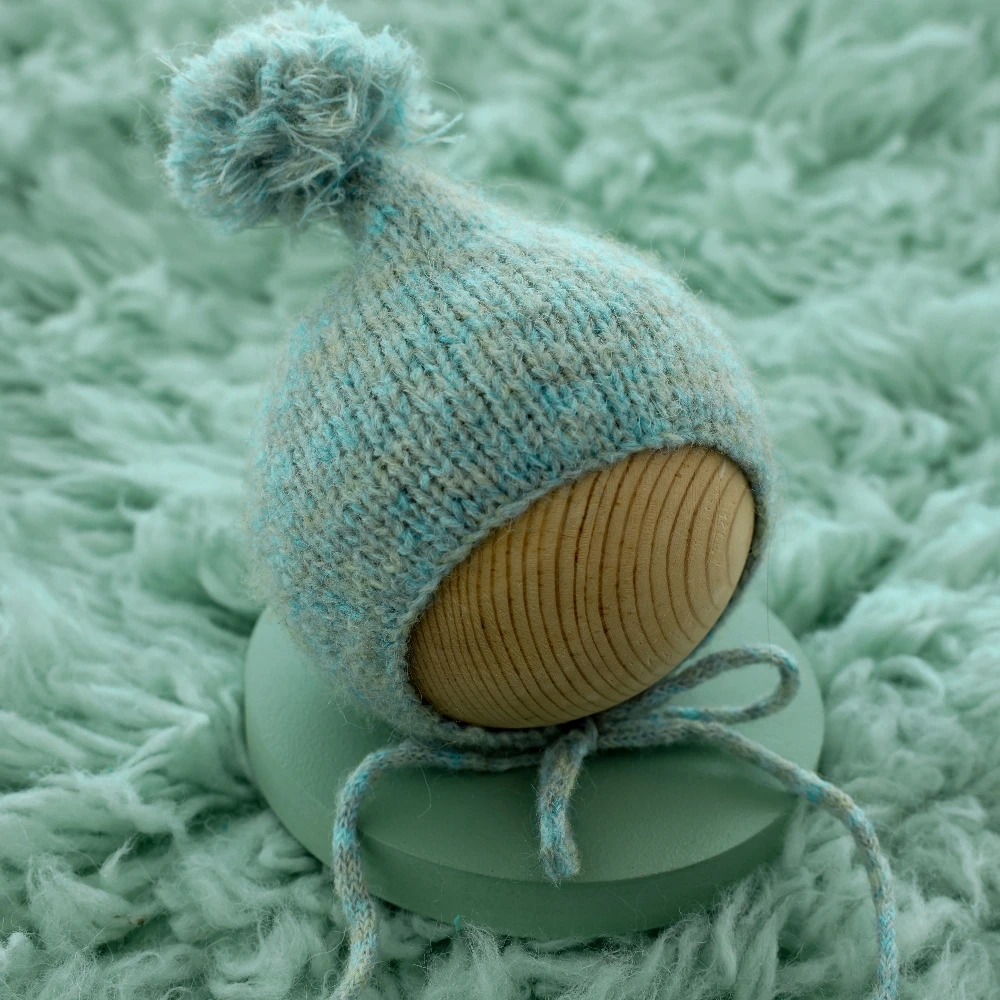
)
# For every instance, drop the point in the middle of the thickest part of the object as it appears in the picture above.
(594, 593)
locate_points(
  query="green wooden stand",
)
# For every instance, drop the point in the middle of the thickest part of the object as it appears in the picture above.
(660, 831)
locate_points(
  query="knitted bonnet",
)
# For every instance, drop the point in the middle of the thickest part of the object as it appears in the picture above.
(470, 362)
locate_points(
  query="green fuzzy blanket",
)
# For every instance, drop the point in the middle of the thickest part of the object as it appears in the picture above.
(825, 175)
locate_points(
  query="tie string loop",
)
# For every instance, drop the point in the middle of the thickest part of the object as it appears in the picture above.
(558, 773)
(645, 721)
(646, 705)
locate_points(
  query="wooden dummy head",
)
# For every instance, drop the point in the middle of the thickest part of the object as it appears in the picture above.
(593, 594)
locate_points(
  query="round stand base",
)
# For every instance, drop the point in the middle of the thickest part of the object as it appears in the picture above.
(660, 831)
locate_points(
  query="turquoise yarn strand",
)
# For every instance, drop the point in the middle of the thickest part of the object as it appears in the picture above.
(643, 722)
(348, 873)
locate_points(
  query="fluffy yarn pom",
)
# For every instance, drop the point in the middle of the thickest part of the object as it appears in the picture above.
(276, 117)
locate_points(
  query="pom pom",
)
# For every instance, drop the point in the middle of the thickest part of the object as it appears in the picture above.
(276, 118)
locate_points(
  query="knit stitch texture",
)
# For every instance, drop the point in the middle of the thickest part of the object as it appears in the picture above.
(469, 363)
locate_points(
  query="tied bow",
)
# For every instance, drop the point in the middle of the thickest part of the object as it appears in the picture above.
(643, 721)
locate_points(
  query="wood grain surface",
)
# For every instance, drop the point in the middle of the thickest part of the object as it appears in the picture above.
(594, 593)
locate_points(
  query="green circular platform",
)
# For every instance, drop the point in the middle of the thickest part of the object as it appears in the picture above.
(660, 831)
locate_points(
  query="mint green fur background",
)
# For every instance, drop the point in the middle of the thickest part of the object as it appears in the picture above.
(826, 176)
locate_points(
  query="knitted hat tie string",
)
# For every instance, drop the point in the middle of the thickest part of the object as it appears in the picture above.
(644, 721)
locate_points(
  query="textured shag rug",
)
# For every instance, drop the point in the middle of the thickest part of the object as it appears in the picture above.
(826, 175)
